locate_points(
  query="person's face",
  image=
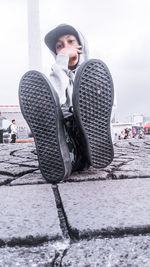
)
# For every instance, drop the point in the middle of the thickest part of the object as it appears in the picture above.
(69, 45)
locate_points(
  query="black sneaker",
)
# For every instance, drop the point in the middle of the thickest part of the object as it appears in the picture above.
(40, 107)
(92, 103)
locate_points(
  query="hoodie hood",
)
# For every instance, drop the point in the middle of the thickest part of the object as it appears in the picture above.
(63, 29)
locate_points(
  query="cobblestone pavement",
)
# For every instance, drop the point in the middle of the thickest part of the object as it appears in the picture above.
(94, 218)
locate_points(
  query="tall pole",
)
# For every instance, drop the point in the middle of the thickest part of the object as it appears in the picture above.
(34, 39)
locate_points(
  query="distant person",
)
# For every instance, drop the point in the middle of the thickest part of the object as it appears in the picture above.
(130, 133)
(134, 132)
(13, 131)
(122, 135)
(116, 137)
(69, 114)
(126, 133)
(141, 133)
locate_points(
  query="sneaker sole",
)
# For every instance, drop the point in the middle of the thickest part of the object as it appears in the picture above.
(92, 102)
(40, 108)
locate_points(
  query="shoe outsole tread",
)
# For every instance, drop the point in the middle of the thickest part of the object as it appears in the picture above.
(92, 103)
(40, 111)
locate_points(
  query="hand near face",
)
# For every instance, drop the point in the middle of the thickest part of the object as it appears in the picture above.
(69, 46)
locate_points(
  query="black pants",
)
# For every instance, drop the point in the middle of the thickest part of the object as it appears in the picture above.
(13, 138)
(74, 141)
(1, 136)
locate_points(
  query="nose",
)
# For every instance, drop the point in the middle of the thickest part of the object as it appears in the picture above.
(65, 44)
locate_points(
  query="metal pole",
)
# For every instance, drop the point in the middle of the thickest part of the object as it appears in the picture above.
(34, 39)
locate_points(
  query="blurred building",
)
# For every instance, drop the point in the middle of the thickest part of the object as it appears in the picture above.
(140, 119)
(13, 112)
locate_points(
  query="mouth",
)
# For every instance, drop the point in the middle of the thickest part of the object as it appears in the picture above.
(73, 61)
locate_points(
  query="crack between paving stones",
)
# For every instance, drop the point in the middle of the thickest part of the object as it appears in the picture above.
(57, 262)
(7, 182)
(29, 166)
(118, 146)
(133, 145)
(117, 169)
(111, 232)
(107, 179)
(146, 143)
(147, 148)
(12, 152)
(64, 225)
(25, 183)
(129, 148)
(63, 255)
(28, 241)
(86, 180)
(130, 178)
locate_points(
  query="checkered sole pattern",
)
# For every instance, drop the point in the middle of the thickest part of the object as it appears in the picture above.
(41, 113)
(92, 101)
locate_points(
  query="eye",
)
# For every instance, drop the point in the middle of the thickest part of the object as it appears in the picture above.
(70, 41)
(58, 45)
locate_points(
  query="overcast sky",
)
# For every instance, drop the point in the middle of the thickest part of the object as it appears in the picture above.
(117, 31)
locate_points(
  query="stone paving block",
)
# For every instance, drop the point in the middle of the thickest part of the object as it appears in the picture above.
(31, 178)
(27, 154)
(22, 161)
(46, 254)
(107, 206)
(118, 252)
(31, 163)
(13, 160)
(39, 256)
(14, 169)
(28, 213)
(27, 256)
(91, 174)
(135, 165)
(5, 158)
